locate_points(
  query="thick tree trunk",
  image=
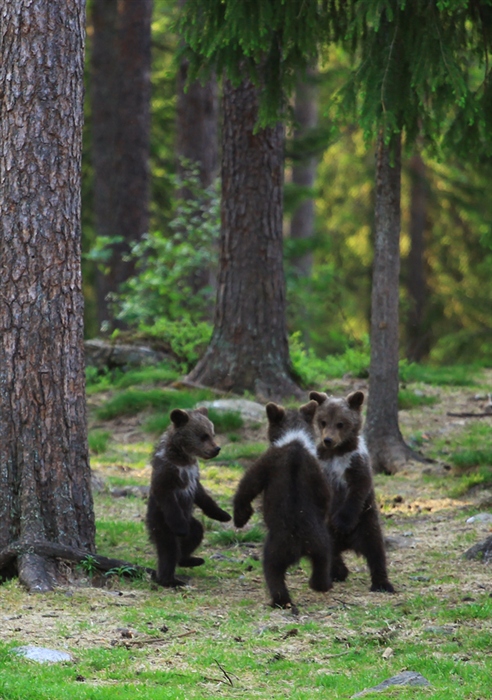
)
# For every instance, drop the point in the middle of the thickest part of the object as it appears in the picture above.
(45, 488)
(385, 442)
(249, 348)
(304, 172)
(121, 134)
(418, 341)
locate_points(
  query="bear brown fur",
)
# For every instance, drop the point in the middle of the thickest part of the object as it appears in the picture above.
(354, 520)
(174, 490)
(295, 501)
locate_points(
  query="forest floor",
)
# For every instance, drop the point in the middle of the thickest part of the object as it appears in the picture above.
(441, 613)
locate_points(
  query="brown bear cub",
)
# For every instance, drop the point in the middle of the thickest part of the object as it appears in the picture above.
(175, 488)
(295, 501)
(354, 521)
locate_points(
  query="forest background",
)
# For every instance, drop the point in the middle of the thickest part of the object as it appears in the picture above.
(446, 241)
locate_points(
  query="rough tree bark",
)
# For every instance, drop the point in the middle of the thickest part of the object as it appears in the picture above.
(249, 347)
(45, 489)
(304, 171)
(385, 442)
(120, 99)
(418, 341)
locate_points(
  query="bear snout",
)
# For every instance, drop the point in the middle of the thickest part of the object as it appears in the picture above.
(328, 441)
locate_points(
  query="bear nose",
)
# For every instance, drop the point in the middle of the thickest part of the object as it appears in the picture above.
(217, 450)
(328, 441)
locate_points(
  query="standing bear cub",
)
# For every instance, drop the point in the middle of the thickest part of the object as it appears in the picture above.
(175, 488)
(354, 521)
(295, 501)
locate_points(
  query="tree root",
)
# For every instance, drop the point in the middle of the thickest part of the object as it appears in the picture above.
(33, 562)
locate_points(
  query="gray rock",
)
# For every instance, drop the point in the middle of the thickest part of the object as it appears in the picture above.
(480, 518)
(101, 354)
(403, 678)
(250, 410)
(481, 550)
(42, 655)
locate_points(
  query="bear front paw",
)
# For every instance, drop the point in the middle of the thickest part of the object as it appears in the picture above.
(224, 517)
(241, 516)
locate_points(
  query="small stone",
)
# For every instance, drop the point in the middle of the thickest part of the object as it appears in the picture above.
(42, 655)
(405, 678)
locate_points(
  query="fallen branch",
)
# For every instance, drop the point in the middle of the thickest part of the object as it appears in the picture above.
(470, 415)
(54, 550)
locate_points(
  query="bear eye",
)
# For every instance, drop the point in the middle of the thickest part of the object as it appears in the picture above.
(339, 426)
(323, 423)
(204, 437)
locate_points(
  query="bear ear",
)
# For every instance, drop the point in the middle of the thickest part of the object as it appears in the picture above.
(274, 413)
(355, 400)
(179, 417)
(318, 396)
(203, 410)
(308, 410)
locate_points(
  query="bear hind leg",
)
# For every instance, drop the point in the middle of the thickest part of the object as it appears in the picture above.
(276, 561)
(189, 543)
(167, 557)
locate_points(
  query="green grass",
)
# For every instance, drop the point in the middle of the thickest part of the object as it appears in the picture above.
(408, 399)
(98, 441)
(132, 401)
(457, 375)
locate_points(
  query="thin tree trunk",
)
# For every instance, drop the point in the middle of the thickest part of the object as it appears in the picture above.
(304, 171)
(385, 442)
(418, 344)
(45, 488)
(249, 348)
(197, 118)
(121, 135)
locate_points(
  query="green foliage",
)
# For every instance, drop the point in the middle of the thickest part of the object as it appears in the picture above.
(169, 263)
(267, 40)
(187, 339)
(313, 371)
(88, 565)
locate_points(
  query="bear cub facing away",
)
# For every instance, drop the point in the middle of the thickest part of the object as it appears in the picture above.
(295, 501)
(174, 490)
(354, 521)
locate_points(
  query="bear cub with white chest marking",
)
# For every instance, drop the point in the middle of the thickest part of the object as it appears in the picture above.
(354, 520)
(174, 490)
(295, 501)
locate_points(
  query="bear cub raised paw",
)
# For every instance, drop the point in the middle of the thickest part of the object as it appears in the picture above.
(354, 520)
(295, 501)
(174, 490)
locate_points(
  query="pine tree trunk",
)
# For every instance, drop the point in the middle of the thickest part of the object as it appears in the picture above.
(304, 172)
(249, 348)
(121, 135)
(418, 341)
(44, 464)
(384, 439)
